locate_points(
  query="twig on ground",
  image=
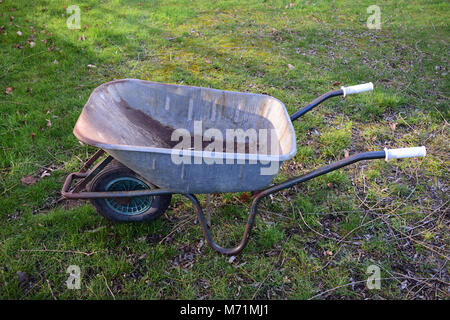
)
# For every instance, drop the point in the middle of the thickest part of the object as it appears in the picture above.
(87, 254)
(174, 229)
(50, 288)
(107, 286)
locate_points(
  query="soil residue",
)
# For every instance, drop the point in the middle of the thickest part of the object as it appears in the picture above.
(159, 135)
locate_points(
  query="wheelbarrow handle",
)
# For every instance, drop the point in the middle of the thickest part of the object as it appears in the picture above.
(405, 153)
(344, 91)
(357, 89)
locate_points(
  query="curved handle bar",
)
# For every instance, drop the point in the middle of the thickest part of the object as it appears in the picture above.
(344, 91)
(419, 151)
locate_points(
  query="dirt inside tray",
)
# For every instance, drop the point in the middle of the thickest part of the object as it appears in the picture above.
(159, 136)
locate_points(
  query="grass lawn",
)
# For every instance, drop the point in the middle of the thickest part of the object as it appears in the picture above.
(312, 241)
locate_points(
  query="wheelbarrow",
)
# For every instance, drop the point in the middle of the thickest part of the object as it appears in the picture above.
(164, 139)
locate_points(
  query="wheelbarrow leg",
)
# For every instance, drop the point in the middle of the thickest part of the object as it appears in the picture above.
(207, 232)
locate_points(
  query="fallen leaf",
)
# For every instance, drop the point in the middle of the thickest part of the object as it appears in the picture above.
(393, 126)
(336, 83)
(244, 197)
(200, 245)
(8, 90)
(330, 185)
(45, 174)
(51, 48)
(18, 46)
(11, 18)
(92, 66)
(28, 180)
(32, 135)
(346, 153)
(290, 66)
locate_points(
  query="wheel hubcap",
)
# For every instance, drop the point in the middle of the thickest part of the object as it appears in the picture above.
(132, 205)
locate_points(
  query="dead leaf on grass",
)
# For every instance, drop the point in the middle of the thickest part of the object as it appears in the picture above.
(346, 154)
(245, 197)
(290, 5)
(393, 126)
(45, 174)
(8, 90)
(28, 180)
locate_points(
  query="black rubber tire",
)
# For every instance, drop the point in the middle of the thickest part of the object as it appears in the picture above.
(115, 170)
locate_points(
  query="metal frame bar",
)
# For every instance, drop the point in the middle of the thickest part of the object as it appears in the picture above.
(206, 230)
(316, 102)
(264, 193)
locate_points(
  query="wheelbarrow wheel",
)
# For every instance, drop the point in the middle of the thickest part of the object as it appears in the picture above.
(117, 177)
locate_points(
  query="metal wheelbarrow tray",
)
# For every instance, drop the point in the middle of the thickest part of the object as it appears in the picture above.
(133, 121)
(158, 137)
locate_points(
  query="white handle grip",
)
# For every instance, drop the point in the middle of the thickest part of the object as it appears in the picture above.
(358, 88)
(405, 153)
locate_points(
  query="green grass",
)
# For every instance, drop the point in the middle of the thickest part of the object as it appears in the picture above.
(312, 241)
